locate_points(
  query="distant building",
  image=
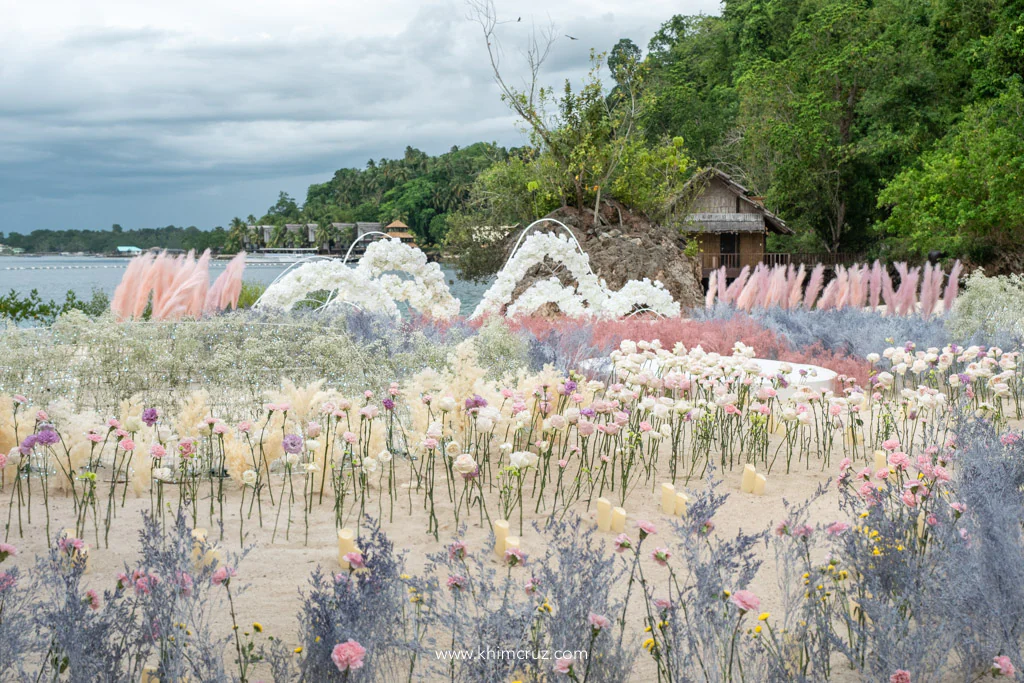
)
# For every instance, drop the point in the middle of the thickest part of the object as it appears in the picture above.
(400, 231)
(729, 224)
(128, 251)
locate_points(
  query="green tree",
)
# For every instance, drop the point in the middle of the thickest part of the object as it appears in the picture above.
(965, 195)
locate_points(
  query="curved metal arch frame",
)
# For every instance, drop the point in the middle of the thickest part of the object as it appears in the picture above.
(359, 239)
(301, 262)
(531, 226)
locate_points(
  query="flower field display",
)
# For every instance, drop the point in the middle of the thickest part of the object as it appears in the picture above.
(922, 451)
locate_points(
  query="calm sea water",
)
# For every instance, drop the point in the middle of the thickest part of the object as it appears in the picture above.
(53, 276)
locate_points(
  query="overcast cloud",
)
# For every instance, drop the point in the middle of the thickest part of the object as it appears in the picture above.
(194, 111)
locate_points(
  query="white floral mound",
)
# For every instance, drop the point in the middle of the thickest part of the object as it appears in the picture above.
(591, 296)
(372, 285)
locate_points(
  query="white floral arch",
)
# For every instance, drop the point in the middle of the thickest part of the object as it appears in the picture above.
(590, 297)
(371, 285)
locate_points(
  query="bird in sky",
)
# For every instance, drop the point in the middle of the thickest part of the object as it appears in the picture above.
(570, 37)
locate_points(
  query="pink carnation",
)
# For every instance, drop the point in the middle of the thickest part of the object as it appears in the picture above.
(745, 600)
(223, 575)
(599, 621)
(901, 676)
(563, 665)
(355, 560)
(348, 655)
(661, 556)
(1002, 666)
(646, 529)
(622, 543)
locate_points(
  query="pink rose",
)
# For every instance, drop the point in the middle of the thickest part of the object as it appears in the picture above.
(348, 655)
(745, 600)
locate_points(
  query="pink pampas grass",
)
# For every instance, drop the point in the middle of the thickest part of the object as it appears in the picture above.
(709, 298)
(906, 295)
(858, 285)
(796, 287)
(931, 287)
(227, 287)
(814, 286)
(875, 285)
(888, 293)
(180, 287)
(733, 292)
(842, 287)
(723, 285)
(952, 287)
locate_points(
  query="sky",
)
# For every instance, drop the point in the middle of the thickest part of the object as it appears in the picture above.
(190, 112)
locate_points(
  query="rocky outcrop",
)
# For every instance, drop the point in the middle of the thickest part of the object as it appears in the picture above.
(623, 246)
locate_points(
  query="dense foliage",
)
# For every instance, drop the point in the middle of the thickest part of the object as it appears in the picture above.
(821, 104)
(107, 241)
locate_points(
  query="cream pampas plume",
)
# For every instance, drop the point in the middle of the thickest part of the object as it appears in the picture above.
(723, 285)
(952, 287)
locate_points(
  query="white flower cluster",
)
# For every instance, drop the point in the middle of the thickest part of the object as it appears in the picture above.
(349, 284)
(370, 285)
(591, 296)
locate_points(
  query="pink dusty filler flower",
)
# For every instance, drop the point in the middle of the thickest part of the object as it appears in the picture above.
(514, 556)
(661, 555)
(1002, 666)
(7, 550)
(622, 543)
(355, 560)
(599, 621)
(745, 600)
(901, 676)
(223, 575)
(646, 529)
(348, 655)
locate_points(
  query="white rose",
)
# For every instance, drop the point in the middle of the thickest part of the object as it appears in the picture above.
(464, 464)
(522, 459)
(446, 404)
(249, 477)
(163, 474)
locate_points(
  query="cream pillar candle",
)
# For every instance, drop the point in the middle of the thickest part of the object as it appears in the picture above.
(682, 500)
(668, 498)
(749, 477)
(618, 520)
(760, 481)
(604, 514)
(881, 463)
(346, 545)
(510, 543)
(500, 536)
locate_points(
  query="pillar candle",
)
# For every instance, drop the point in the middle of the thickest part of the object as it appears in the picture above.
(618, 520)
(749, 476)
(880, 461)
(346, 545)
(604, 514)
(668, 498)
(510, 543)
(682, 500)
(500, 537)
(760, 481)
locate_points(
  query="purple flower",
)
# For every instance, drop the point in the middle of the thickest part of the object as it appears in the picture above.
(292, 443)
(150, 416)
(588, 412)
(47, 436)
(28, 443)
(388, 404)
(570, 386)
(476, 401)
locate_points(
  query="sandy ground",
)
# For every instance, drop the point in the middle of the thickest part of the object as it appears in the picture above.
(275, 572)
